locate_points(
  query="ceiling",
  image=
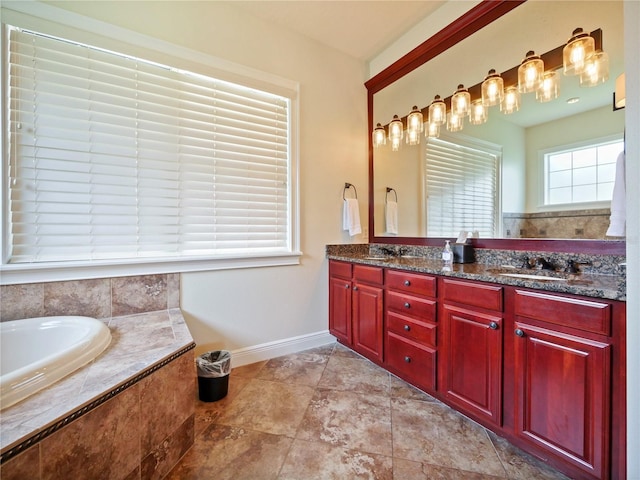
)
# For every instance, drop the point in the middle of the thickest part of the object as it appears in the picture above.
(361, 29)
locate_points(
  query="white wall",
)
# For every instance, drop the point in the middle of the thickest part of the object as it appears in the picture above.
(238, 309)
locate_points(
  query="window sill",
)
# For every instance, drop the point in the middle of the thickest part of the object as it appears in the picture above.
(11, 274)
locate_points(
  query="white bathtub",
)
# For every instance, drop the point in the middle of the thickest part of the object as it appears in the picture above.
(37, 352)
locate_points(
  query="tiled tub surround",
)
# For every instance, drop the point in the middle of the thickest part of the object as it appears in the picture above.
(603, 278)
(562, 224)
(129, 413)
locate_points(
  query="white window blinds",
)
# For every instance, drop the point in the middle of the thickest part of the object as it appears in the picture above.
(113, 157)
(461, 182)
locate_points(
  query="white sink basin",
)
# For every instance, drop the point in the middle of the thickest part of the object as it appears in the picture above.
(534, 277)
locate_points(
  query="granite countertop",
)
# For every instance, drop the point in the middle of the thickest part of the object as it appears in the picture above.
(138, 343)
(609, 286)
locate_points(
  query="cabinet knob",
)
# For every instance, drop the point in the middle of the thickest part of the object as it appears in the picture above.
(493, 325)
(407, 328)
(355, 287)
(519, 332)
(407, 359)
(407, 305)
(346, 285)
(407, 283)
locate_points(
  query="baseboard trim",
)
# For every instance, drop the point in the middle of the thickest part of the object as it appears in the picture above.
(267, 351)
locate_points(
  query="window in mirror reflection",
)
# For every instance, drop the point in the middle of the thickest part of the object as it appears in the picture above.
(462, 187)
(580, 175)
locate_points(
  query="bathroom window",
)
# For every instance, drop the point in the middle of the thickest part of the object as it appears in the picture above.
(113, 158)
(583, 174)
(462, 186)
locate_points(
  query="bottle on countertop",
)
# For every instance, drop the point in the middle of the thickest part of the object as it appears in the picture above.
(447, 258)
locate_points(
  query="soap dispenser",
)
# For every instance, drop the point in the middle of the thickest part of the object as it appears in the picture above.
(447, 258)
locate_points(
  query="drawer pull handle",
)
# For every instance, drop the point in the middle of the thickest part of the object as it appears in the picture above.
(407, 328)
(407, 283)
(407, 305)
(493, 325)
(407, 359)
(519, 332)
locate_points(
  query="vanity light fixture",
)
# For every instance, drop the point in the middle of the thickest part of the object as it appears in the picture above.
(396, 131)
(549, 88)
(379, 136)
(530, 73)
(455, 122)
(596, 70)
(576, 52)
(414, 126)
(432, 130)
(511, 102)
(492, 89)
(460, 101)
(478, 113)
(438, 111)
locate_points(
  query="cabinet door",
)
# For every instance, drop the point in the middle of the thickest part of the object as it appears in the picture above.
(472, 361)
(367, 321)
(340, 309)
(562, 400)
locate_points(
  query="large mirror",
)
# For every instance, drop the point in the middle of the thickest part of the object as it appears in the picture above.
(518, 139)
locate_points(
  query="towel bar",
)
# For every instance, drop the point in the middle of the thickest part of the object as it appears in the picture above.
(346, 187)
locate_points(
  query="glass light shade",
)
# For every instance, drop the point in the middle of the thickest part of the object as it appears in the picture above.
(396, 129)
(620, 95)
(530, 73)
(461, 101)
(549, 88)
(432, 130)
(478, 114)
(396, 143)
(511, 102)
(576, 52)
(379, 136)
(596, 70)
(455, 123)
(414, 126)
(492, 89)
(438, 111)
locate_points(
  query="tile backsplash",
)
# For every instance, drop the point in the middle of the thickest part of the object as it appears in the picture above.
(564, 224)
(99, 298)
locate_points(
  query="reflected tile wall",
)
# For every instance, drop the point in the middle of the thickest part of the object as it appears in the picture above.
(572, 224)
(99, 298)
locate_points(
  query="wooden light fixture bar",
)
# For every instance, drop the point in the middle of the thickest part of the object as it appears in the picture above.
(552, 61)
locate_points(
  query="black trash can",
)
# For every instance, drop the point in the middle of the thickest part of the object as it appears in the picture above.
(213, 375)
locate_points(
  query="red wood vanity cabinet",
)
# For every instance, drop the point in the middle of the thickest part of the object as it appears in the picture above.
(545, 370)
(355, 307)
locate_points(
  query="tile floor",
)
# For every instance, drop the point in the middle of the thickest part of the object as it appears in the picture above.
(328, 413)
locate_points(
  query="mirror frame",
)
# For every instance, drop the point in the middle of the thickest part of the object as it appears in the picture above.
(478, 17)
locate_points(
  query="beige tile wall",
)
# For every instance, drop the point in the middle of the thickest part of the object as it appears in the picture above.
(139, 434)
(570, 224)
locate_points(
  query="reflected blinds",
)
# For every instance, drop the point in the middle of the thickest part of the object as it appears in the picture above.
(461, 182)
(113, 157)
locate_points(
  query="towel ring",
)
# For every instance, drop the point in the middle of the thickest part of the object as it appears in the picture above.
(389, 189)
(347, 186)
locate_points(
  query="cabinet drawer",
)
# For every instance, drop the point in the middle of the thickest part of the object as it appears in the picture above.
(586, 315)
(409, 305)
(363, 273)
(339, 269)
(423, 333)
(415, 363)
(411, 283)
(474, 294)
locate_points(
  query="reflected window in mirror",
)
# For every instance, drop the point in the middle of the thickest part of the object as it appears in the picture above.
(462, 178)
(581, 174)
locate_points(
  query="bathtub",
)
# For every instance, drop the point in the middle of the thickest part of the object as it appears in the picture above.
(37, 352)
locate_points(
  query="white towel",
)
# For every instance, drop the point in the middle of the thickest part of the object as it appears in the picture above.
(391, 217)
(351, 216)
(617, 225)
